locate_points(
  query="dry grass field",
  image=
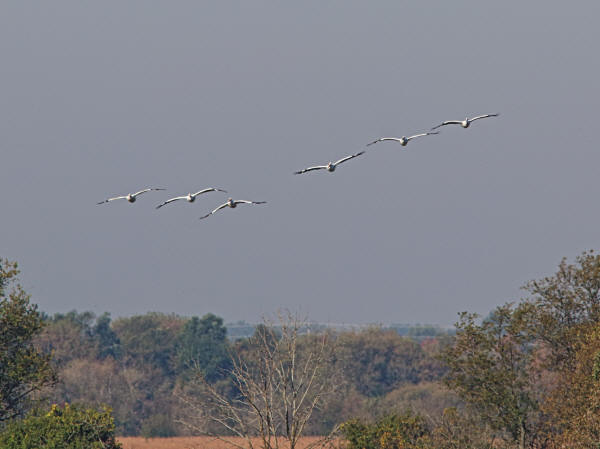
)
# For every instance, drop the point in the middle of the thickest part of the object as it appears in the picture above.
(193, 443)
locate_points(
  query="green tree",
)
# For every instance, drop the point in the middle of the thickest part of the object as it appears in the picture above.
(148, 348)
(377, 361)
(67, 427)
(559, 304)
(528, 370)
(148, 341)
(23, 369)
(489, 367)
(202, 344)
(107, 341)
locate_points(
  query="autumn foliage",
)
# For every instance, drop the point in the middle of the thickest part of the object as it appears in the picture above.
(531, 369)
(525, 376)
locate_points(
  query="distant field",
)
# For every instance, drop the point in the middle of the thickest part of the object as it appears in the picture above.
(193, 443)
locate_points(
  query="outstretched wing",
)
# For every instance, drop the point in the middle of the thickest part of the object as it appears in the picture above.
(347, 158)
(422, 134)
(210, 189)
(318, 167)
(382, 139)
(249, 202)
(144, 191)
(112, 199)
(210, 213)
(170, 201)
(483, 116)
(448, 122)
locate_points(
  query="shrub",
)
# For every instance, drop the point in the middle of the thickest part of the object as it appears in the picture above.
(404, 431)
(68, 427)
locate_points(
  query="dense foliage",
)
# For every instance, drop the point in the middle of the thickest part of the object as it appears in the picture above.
(530, 369)
(67, 427)
(490, 368)
(202, 344)
(140, 365)
(526, 376)
(403, 431)
(23, 369)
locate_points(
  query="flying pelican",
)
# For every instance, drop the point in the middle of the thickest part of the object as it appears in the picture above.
(330, 166)
(233, 204)
(131, 197)
(466, 122)
(191, 197)
(402, 140)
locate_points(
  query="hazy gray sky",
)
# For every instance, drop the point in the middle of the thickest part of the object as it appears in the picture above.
(104, 98)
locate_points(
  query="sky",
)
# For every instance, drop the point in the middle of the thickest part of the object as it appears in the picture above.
(105, 98)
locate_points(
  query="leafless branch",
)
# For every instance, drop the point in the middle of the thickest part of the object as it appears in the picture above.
(281, 378)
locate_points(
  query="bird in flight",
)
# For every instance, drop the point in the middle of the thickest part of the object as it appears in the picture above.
(131, 197)
(466, 122)
(191, 197)
(233, 204)
(331, 166)
(402, 140)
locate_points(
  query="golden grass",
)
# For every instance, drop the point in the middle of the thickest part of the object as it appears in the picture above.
(195, 443)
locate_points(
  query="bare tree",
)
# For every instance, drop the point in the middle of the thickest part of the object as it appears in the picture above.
(281, 378)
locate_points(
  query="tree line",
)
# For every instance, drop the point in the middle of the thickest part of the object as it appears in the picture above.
(525, 376)
(139, 365)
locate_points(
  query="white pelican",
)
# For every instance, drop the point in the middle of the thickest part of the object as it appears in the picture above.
(233, 204)
(330, 166)
(466, 122)
(402, 140)
(191, 197)
(131, 197)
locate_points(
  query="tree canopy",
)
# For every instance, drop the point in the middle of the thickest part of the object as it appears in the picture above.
(202, 344)
(23, 369)
(67, 427)
(528, 369)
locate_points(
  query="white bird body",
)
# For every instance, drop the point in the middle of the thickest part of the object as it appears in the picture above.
(331, 166)
(232, 204)
(402, 140)
(466, 122)
(131, 197)
(191, 197)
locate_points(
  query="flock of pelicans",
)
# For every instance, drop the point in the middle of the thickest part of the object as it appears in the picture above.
(331, 166)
